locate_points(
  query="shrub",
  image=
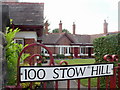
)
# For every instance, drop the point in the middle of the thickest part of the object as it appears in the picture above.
(26, 85)
(70, 57)
(106, 45)
(44, 60)
(12, 52)
(60, 56)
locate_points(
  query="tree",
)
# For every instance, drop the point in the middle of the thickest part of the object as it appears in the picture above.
(57, 30)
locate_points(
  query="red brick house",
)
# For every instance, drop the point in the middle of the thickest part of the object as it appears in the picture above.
(64, 43)
(28, 17)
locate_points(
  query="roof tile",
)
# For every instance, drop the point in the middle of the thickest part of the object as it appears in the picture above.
(26, 13)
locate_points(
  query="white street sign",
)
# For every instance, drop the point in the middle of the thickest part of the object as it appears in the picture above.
(65, 72)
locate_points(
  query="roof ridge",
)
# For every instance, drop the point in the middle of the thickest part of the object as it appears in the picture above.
(60, 37)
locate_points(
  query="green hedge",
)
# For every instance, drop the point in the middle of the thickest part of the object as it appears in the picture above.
(106, 45)
(60, 56)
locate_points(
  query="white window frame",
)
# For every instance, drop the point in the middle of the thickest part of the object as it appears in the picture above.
(15, 41)
(44, 50)
(83, 50)
(62, 50)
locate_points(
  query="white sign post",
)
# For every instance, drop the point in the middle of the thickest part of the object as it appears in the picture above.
(67, 72)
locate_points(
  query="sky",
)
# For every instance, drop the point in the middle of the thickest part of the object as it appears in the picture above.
(88, 15)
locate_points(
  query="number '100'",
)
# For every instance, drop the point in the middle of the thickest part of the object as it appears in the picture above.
(34, 74)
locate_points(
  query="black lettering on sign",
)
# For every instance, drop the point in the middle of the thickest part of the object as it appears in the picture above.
(99, 70)
(57, 75)
(94, 70)
(39, 75)
(29, 74)
(107, 70)
(25, 73)
(63, 71)
(72, 70)
(80, 71)
(102, 72)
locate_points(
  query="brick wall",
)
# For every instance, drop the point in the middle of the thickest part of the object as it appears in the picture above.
(32, 50)
(64, 41)
(52, 49)
(56, 50)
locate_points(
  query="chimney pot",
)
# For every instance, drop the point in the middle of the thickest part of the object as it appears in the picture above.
(73, 27)
(105, 27)
(60, 27)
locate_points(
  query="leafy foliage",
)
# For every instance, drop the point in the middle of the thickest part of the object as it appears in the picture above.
(12, 52)
(57, 30)
(60, 56)
(106, 45)
(26, 85)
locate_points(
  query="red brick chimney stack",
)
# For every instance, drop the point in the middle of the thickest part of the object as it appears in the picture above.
(60, 27)
(46, 27)
(105, 27)
(73, 28)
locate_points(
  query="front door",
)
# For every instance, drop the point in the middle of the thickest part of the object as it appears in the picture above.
(76, 52)
(89, 52)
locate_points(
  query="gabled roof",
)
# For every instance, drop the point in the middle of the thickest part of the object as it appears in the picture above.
(92, 37)
(51, 38)
(54, 37)
(79, 38)
(26, 13)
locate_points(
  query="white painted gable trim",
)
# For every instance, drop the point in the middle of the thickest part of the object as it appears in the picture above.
(26, 34)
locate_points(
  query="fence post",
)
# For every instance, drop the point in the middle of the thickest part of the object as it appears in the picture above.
(68, 81)
(98, 83)
(78, 84)
(89, 83)
(119, 75)
(107, 82)
(56, 85)
(113, 79)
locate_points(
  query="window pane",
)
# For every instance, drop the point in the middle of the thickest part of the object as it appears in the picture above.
(83, 50)
(19, 41)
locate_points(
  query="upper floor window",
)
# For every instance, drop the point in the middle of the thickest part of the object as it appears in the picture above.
(19, 41)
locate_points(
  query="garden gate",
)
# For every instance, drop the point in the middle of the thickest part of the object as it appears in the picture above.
(111, 82)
